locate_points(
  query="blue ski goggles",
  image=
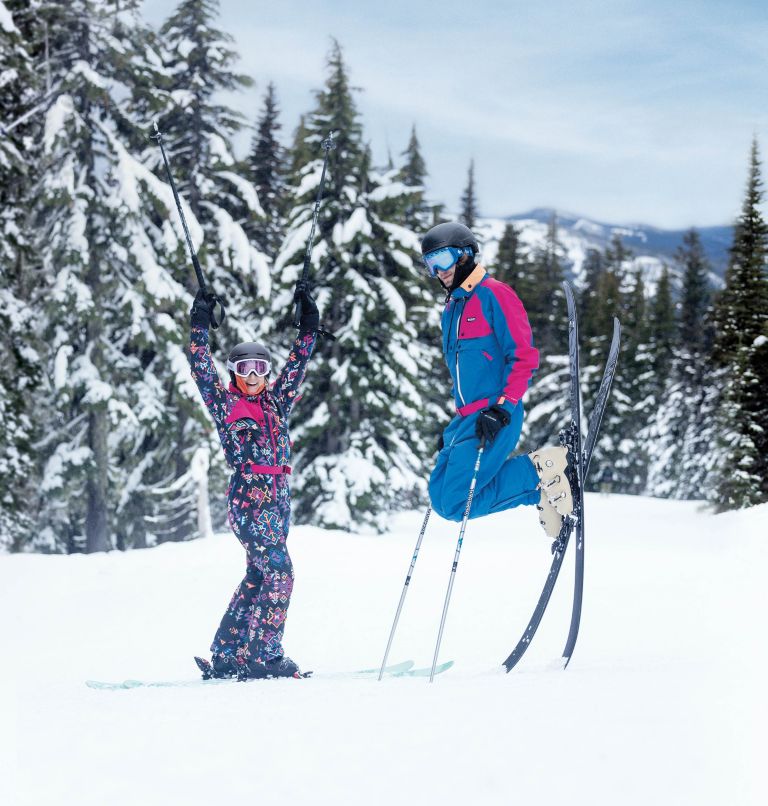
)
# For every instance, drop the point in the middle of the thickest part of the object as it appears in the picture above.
(444, 259)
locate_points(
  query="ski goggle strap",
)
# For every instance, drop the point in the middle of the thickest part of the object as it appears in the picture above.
(444, 259)
(248, 365)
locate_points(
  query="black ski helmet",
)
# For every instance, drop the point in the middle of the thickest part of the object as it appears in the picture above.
(451, 233)
(247, 349)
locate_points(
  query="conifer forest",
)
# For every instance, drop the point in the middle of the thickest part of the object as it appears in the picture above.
(106, 444)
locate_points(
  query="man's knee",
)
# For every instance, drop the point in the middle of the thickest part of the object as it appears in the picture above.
(445, 505)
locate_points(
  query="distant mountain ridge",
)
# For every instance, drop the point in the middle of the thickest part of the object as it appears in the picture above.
(652, 247)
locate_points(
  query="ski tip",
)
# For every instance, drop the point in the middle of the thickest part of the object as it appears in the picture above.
(426, 671)
(391, 669)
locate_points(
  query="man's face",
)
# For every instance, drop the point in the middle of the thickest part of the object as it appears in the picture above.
(446, 277)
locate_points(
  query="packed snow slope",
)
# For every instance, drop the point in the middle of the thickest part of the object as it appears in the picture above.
(664, 701)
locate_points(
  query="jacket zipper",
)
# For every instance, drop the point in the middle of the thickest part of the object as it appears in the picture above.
(458, 374)
(270, 425)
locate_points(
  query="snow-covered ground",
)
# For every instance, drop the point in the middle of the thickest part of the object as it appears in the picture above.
(664, 701)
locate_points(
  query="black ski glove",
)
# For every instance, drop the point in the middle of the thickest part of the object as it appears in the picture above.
(310, 316)
(490, 421)
(202, 309)
(440, 443)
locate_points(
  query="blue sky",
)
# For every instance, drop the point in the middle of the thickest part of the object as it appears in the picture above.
(620, 110)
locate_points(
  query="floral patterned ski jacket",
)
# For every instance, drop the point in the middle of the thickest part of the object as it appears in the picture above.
(253, 430)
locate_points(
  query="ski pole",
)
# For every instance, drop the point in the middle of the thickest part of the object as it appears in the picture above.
(195, 262)
(405, 590)
(328, 146)
(470, 496)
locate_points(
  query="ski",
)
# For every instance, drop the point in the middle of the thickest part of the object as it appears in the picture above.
(561, 544)
(598, 409)
(395, 670)
(426, 671)
(573, 441)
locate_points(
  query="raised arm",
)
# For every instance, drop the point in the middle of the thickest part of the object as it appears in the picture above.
(201, 364)
(286, 387)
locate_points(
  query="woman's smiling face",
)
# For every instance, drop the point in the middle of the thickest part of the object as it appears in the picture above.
(254, 384)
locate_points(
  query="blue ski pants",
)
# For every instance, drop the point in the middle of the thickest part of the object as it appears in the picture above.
(502, 482)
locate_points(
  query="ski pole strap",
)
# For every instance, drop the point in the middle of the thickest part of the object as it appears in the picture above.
(217, 320)
(471, 408)
(267, 470)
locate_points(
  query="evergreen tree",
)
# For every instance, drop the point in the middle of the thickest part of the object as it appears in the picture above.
(20, 86)
(663, 333)
(413, 174)
(199, 129)
(360, 428)
(539, 285)
(681, 433)
(115, 356)
(741, 320)
(634, 384)
(592, 307)
(267, 173)
(695, 301)
(545, 299)
(605, 298)
(469, 211)
(511, 265)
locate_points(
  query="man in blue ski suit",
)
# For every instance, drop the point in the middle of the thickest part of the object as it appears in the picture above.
(488, 347)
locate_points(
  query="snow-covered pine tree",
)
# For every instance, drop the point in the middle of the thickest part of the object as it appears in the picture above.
(662, 334)
(681, 432)
(591, 307)
(20, 88)
(413, 173)
(601, 300)
(539, 285)
(742, 321)
(198, 60)
(198, 64)
(359, 430)
(469, 211)
(107, 300)
(267, 172)
(510, 265)
(634, 379)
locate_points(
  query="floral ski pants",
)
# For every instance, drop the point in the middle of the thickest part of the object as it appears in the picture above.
(259, 508)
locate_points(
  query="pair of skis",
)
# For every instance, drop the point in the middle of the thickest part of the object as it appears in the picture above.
(571, 438)
(404, 669)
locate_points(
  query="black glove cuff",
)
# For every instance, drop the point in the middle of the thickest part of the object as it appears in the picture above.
(309, 323)
(200, 318)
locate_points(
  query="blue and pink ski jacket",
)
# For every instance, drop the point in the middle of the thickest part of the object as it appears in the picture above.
(487, 344)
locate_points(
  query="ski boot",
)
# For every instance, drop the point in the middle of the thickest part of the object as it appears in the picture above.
(219, 667)
(549, 518)
(277, 667)
(551, 464)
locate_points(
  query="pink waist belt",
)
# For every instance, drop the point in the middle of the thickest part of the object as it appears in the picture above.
(269, 470)
(471, 408)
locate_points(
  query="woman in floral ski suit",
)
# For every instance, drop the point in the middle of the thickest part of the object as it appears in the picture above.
(251, 418)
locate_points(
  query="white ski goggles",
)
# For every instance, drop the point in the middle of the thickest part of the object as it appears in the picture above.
(248, 365)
